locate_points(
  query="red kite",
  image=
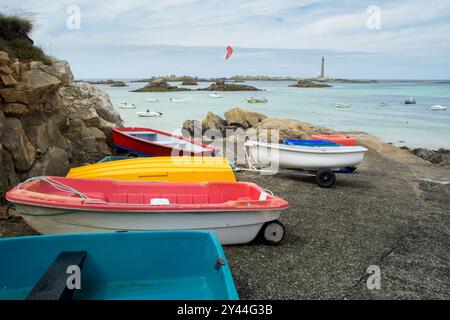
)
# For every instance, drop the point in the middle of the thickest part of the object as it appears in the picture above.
(229, 52)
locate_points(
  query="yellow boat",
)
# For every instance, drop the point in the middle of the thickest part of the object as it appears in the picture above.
(170, 169)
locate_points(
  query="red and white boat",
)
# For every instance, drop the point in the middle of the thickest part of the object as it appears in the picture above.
(236, 211)
(154, 143)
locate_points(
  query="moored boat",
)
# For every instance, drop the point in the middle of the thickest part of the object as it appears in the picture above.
(236, 211)
(215, 95)
(170, 169)
(164, 265)
(342, 105)
(256, 100)
(438, 107)
(304, 157)
(149, 114)
(151, 142)
(410, 101)
(125, 105)
(337, 138)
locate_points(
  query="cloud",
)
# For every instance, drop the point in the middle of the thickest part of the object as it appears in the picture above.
(414, 29)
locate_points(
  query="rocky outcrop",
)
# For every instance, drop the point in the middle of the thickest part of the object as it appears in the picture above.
(222, 86)
(289, 128)
(309, 84)
(47, 122)
(189, 82)
(159, 85)
(440, 156)
(243, 118)
(251, 123)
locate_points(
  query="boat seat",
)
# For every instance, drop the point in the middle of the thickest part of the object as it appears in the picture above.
(53, 284)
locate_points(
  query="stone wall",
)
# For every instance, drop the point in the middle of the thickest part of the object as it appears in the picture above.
(49, 123)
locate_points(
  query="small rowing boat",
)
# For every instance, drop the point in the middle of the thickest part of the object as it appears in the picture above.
(150, 142)
(342, 105)
(437, 107)
(236, 211)
(149, 114)
(215, 95)
(169, 169)
(410, 101)
(337, 138)
(125, 105)
(256, 100)
(163, 265)
(304, 157)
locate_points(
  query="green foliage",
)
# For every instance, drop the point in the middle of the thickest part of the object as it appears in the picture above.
(14, 33)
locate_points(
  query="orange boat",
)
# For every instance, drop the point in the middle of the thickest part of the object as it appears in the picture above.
(338, 138)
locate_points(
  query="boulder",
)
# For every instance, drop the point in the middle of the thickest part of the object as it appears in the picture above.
(8, 176)
(214, 122)
(16, 142)
(192, 127)
(60, 69)
(54, 163)
(434, 156)
(16, 109)
(288, 128)
(243, 118)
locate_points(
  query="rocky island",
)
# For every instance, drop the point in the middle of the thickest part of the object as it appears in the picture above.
(160, 85)
(305, 83)
(221, 85)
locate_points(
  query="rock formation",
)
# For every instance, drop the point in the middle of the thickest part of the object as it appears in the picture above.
(252, 122)
(309, 84)
(160, 85)
(220, 85)
(47, 122)
(440, 156)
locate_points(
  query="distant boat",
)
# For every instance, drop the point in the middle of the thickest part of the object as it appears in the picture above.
(149, 114)
(215, 95)
(438, 107)
(176, 100)
(152, 100)
(342, 105)
(384, 104)
(410, 101)
(256, 100)
(125, 105)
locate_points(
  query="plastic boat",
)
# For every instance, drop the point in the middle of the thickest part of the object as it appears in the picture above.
(149, 114)
(170, 169)
(151, 142)
(169, 265)
(215, 95)
(256, 100)
(438, 107)
(125, 105)
(310, 143)
(236, 211)
(410, 101)
(303, 157)
(337, 138)
(342, 105)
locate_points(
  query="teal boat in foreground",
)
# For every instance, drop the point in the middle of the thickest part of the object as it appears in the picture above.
(157, 265)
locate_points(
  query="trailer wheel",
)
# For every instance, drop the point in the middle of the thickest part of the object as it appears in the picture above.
(272, 232)
(325, 178)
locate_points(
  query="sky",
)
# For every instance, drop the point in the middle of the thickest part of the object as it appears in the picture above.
(401, 39)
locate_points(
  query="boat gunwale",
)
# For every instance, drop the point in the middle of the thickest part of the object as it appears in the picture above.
(123, 131)
(308, 149)
(19, 196)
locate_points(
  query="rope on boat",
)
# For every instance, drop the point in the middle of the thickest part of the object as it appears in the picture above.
(55, 184)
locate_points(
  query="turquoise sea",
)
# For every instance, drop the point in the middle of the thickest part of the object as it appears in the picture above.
(404, 125)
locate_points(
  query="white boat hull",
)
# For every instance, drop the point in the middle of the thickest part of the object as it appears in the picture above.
(148, 114)
(307, 158)
(230, 227)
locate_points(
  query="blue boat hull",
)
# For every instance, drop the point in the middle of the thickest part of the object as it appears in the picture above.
(158, 265)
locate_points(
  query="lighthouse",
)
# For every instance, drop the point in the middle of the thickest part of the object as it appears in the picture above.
(322, 69)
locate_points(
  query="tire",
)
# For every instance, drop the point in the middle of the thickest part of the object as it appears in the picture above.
(325, 178)
(272, 232)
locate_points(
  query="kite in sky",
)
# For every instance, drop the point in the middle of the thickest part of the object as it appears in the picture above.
(229, 52)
